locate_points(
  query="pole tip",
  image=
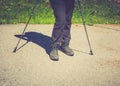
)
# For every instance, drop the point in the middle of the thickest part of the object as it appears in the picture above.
(14, 50)
(91, 53)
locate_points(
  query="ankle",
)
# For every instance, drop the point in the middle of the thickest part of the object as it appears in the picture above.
(64, 44)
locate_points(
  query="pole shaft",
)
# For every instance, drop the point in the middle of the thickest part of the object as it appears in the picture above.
(25, 27)
(80, 7)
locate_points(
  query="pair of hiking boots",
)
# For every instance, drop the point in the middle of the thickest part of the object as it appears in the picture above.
(64, 48)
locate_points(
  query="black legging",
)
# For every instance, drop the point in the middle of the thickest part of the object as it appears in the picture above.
(63, 10)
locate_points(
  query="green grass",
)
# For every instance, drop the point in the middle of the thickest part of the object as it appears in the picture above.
(44, 15)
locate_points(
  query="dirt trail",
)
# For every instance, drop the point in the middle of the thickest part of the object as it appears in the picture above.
(31, 65)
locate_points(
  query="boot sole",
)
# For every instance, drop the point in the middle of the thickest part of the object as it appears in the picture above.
(55, 59)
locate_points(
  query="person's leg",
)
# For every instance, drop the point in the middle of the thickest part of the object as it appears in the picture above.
(66, 31)
(69, 11)
(60, 20)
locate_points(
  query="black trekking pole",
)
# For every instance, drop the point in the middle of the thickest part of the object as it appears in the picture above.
(15, 49)
(80, 7)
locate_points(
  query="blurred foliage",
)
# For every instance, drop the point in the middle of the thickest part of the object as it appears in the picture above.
(18, 11)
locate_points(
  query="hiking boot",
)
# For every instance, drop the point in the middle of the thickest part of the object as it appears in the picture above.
(67, 50)
(54, 54)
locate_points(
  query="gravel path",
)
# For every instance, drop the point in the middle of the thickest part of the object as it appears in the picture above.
(31, 65)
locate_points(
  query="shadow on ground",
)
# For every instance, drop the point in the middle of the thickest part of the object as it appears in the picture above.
(37, 38)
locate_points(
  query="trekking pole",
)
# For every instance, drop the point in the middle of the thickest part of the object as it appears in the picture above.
(25, 27)
(80, 7)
